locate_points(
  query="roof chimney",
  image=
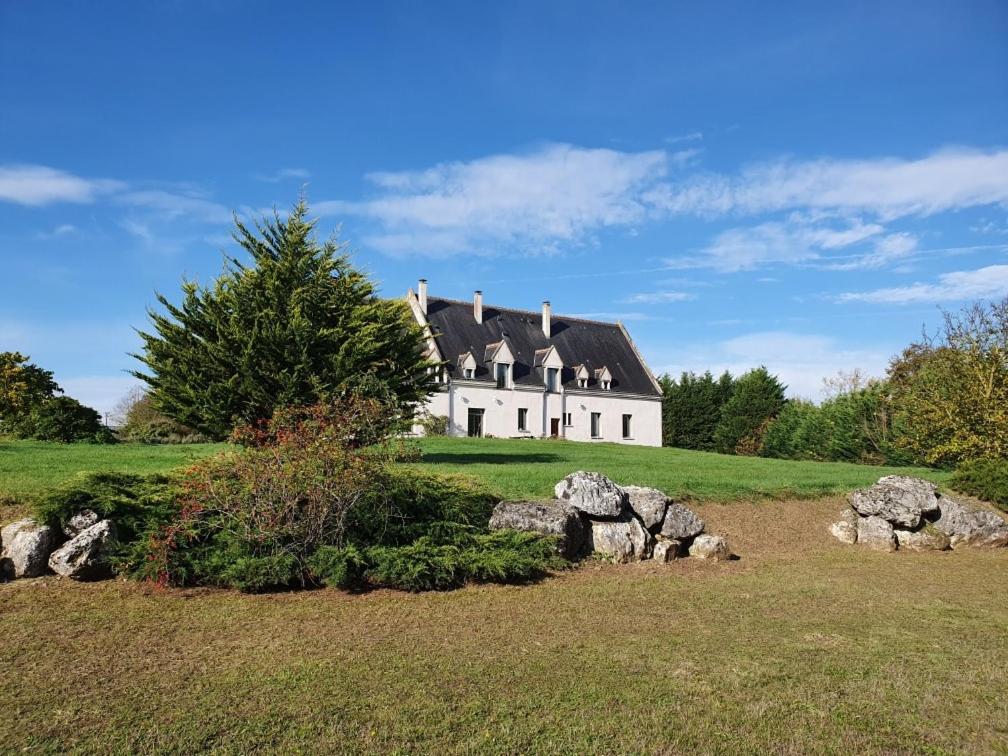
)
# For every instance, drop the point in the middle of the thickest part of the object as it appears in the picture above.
(422, 294)
(547, 325)
(478, 306)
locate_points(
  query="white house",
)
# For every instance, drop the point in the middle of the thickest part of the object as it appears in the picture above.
(515, 373)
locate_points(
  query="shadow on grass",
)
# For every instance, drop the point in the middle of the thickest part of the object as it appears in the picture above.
(464, 458)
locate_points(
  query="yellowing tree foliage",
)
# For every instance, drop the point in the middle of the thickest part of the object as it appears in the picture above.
(951, 392)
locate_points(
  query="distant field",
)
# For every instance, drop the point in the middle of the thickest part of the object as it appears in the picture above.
(529, 469)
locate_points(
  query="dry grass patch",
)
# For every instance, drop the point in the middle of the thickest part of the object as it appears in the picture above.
(801, 645)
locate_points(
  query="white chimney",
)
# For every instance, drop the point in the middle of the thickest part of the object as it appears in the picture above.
(422, 294)
(547, 319)
(478, 306)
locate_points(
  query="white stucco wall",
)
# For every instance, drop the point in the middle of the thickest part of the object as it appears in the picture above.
(500, 412)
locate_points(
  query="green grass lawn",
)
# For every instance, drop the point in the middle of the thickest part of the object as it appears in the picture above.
(529, 469)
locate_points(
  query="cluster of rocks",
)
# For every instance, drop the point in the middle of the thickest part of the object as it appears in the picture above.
(901, 512)
(78, 551)
(592, 514)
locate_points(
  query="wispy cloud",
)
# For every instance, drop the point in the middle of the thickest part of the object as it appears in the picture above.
(171, 206)
(531, 201)
(990, 281)
(65, 229)
(659, 297)
(284, 174)
(693, 136)
(888, 188)
(38, 185)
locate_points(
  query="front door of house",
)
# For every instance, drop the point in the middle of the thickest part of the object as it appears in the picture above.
(555, 427)
(475, 422)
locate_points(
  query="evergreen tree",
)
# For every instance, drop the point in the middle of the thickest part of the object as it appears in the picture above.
(756, 399)
(691, 408)
(296, 326)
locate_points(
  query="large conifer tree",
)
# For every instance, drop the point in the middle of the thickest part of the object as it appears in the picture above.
(295, 325)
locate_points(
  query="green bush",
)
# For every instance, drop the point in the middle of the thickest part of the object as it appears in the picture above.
(137, 504)
(63, 418)
(986, 479)
(430, 563)
(434, 425)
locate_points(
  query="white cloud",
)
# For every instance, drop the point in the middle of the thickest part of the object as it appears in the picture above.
(65, 229)
(532, 201)
(37, 185)
(284, 174)
(801, 361)
(887, 188)
(887, 250)
(991, 281)
(659, 297)
(172, 206)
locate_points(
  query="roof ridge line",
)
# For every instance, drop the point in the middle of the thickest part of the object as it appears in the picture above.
(523, 312)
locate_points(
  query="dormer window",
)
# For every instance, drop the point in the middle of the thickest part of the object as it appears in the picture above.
(548, 360)
(501, 359)
(582, 375)
(467, 365)
(604, 378)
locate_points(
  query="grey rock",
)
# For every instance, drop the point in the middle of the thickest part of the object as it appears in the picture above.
(927, 538)
(900, 499)
(649, 504)
(592, 493)
(966, 526)
(665, 549)
(846, 527)
(712, 547)
(681, 523)
(85, 556)
(26, 548)
(79, 522)
(876, 533)
(550, 518)
(625, 540)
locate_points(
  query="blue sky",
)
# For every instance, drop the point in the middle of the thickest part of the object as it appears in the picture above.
(801, 187)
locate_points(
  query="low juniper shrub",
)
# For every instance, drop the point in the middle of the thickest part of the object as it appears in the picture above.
(986, 479)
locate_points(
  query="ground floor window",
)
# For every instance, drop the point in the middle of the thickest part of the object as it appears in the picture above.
(568, 420)
(596, 423)
(626, 426)
(475, 422)
(522, 419)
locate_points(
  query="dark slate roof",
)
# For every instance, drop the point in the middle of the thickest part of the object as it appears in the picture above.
(588, 342)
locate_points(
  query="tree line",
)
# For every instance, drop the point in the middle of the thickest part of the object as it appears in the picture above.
(943, 401)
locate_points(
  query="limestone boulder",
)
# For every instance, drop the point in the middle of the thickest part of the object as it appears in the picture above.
(966, 526)
(649, 504)
(876, 533)
(927, 538)
(592, 493)
(85, 556)
(79, 522)
(681, 523)
(846, 527)
(550, 518)
(623, 540)
(665, 549)
(713, 547)
(899, 499)
(26, 548)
